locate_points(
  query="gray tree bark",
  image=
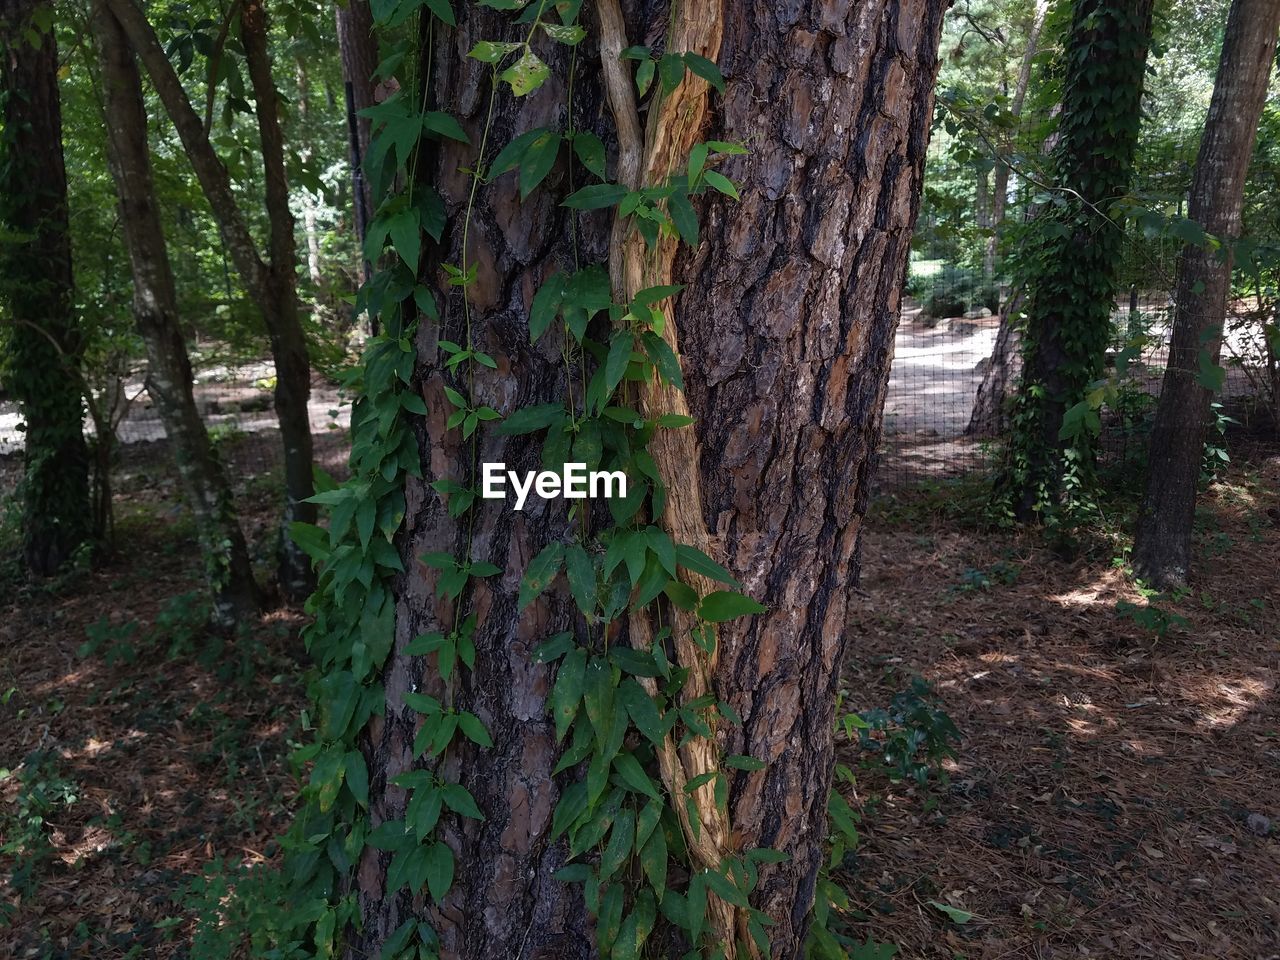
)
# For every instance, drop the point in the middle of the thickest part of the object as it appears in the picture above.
(155, 311)
(1162, 546)
(272, 284)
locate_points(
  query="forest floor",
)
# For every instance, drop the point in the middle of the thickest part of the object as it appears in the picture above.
(1117, 790)
(1115, 793)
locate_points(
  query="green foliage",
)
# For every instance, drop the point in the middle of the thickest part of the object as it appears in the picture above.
(41, 792)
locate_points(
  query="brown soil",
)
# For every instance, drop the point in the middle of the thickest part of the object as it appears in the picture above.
(1116, 794)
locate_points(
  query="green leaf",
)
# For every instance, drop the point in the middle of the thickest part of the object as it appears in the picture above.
(542, 570)
(726, 605)
(531, 419)
(473, 728)
(510, 156)
(596, 196)
(957, 915)
(526, 75)
(643, 711)
(570, 34)
(582, 578)
(621, 837)
(445, 125)
(554, 648)
(653, 860)
(633, 775)
(490, 51)
(739, 762)
(664, 359)
(443, 10)
(566, 695)
(439, 870)
(615, 365)
(590, 151)
(406, 236)
(537, 161)
(357, 776)
(458, 799)
(705, 69)
(721, 182)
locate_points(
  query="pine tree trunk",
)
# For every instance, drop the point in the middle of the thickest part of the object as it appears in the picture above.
(155, 311)
(999, 381)
(36, 282)
(1162, 547)
(787, 334)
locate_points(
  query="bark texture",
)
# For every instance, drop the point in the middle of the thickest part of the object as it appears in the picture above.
(359, 50)
(155, 312)
(36, 286)
(787, 335)
(786, 332)
(1162, 547)
(272, 284)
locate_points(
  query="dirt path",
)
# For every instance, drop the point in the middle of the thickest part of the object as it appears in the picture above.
(1117, 794)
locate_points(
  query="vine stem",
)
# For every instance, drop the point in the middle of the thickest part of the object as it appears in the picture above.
(646, 160)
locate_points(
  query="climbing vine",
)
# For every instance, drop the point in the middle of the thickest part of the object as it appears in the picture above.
(1067, 263)
(632, 701)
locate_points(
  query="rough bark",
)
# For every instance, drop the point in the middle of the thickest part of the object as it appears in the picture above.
(271, 284)
(1162, 547)
(155, 312)
(786, 333)
(787, 336)
(359, 50)
(504, 902)
(36, 284)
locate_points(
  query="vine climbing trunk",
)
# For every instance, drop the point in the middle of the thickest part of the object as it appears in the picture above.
(155, 311)
(1162, 546)
(270, 282)
(36, 285)
(1068, 268)
(784, 331)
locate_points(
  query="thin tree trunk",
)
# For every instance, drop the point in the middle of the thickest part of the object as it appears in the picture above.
(1162, 547)
(359, 50)
(36, 280)
(786, 332)
(288, 344)
(1000, 378)
(155, 311)
(272, 285)
(1000, 176)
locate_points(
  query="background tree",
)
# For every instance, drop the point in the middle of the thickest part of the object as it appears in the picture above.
(44, 343)
(155, 310)
(1162, 545)
(1069, 265)
(271, 281)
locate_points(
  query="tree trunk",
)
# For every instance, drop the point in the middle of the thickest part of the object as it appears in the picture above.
(359, 49)
(1000, 378)
(271, 285)
(1071, 265)
(1162, 547)
(1000, 176)
(786, 331)
(36, 281)
(155, 311)
(288, 343)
